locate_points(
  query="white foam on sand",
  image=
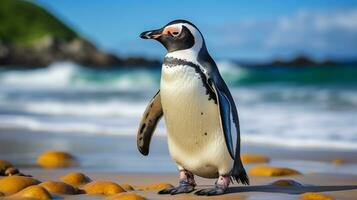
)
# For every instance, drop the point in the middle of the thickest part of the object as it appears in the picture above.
(104, 108)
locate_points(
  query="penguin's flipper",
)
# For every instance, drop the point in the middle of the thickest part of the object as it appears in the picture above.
(148, 123)
(228, 115)
(225, 109)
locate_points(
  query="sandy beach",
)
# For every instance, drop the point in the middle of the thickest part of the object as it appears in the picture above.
(337, 186)
(334, 185)
(319, 173)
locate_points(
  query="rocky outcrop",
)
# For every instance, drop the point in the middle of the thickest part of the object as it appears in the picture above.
(302, 61)
(50, 50)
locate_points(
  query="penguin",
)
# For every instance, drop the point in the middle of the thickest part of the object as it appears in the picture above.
(199, 111)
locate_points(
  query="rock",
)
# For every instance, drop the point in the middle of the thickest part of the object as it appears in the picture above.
(56, 159)
(5, 164)
(59, 187)
(286, 183)
(125, 196)
(329, 62)
(13, 184)
(314, 196)
(155, 186)
(75, 179)
(339, 161)
(300, 60)
(272, 171)
(84, 52)
(34, 192)
(126, 186)
(103, 187)
(254, 158)
(11, 171)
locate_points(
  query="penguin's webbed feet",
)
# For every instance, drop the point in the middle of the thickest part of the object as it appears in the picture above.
(220, 187)
(211, 191)
(184, 187)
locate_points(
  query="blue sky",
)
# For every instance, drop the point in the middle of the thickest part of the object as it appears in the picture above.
(241, 30)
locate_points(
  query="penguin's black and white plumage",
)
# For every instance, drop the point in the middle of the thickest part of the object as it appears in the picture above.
(199, 112)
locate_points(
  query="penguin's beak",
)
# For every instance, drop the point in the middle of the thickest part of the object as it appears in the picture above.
(153, 34)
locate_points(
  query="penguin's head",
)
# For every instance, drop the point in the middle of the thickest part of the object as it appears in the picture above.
(177, 35)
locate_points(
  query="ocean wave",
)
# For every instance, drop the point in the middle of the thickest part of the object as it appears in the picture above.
(68, 75)
(232, 72)
(56, 75)
(228, 67)
(65, 74)
(31, 124)
(337, 98)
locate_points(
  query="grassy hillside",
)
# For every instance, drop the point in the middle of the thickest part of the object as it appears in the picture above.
(24, 23)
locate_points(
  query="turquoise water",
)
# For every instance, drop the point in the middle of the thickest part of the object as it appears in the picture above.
(294, 107)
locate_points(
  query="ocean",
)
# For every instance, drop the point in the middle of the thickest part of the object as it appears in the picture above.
(300, 108)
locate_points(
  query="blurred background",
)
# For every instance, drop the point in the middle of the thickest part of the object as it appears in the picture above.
(75, 75)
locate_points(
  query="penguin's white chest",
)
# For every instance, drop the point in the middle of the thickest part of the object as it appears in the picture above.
(195, 138)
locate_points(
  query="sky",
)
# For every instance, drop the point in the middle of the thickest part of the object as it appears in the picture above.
(240, 30)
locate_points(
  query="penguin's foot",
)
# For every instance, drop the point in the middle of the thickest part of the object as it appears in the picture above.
(219, 188)
(183, 188)
(187, 184)
(211, 191)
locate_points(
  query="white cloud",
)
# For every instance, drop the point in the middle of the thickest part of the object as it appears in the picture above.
(317, 33)
(315, 30)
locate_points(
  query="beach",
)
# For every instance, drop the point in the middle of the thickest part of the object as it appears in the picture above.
(115, 158)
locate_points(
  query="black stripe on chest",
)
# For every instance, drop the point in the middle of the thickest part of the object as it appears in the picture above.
(172, 62)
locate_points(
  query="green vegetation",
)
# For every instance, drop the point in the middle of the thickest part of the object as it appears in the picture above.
(24, 23)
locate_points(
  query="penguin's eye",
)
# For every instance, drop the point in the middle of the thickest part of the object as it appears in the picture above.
(175, 33)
